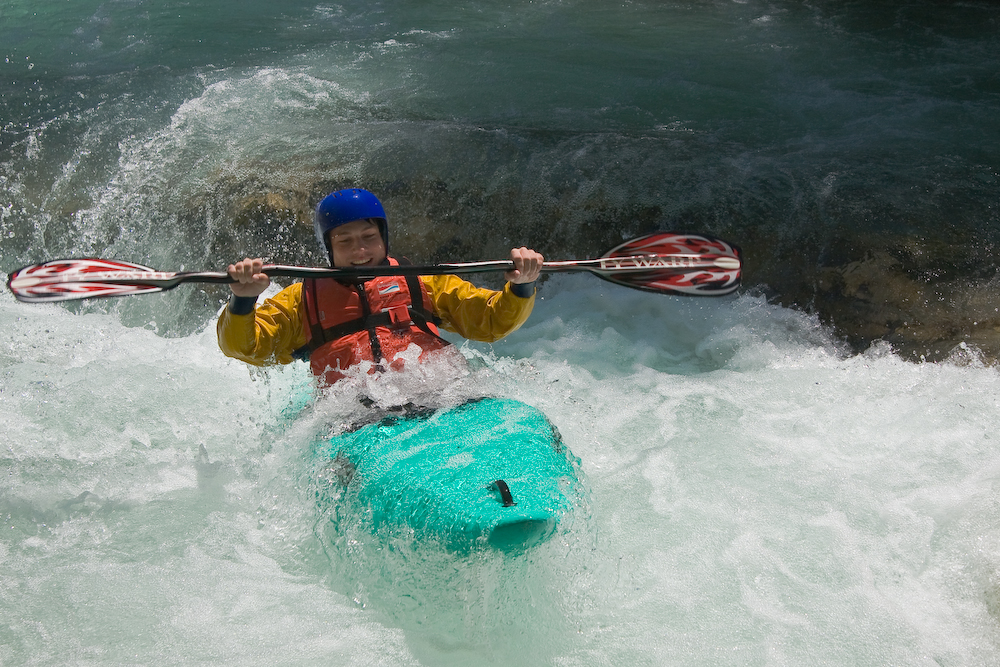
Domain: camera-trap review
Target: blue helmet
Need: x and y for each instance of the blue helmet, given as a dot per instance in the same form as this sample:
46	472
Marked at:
344	206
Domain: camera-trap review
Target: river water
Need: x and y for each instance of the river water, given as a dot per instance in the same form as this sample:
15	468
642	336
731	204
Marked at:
800	473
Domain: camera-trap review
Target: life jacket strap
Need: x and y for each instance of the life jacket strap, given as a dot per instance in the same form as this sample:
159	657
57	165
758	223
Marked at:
421	316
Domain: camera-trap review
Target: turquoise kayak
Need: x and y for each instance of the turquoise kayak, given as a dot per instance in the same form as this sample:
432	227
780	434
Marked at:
489	473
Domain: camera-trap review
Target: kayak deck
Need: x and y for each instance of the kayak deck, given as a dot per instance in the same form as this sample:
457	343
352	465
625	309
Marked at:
490	472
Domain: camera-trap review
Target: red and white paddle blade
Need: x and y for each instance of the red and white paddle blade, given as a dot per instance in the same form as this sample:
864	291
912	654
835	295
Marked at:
713	267
66	280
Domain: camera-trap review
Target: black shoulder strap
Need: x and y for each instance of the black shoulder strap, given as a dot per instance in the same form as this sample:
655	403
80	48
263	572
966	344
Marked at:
420	315
367	322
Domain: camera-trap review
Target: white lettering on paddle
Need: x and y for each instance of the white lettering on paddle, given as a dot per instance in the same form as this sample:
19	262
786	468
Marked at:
650	262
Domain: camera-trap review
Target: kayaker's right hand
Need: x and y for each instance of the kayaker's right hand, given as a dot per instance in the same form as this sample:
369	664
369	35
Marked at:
249	279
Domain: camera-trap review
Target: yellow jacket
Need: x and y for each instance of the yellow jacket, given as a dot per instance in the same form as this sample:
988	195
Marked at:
271	333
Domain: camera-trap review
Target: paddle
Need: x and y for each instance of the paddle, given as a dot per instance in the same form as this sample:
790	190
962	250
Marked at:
665	262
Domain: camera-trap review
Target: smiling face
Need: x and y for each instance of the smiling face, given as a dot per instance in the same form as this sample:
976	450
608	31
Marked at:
358	243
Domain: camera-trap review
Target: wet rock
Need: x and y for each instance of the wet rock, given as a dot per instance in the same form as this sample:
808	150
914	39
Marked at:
924	299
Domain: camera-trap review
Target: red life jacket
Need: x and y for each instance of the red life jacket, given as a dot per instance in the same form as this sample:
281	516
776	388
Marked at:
373	321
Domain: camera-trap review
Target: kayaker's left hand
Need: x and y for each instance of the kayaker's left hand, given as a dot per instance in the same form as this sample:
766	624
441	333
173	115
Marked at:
527	266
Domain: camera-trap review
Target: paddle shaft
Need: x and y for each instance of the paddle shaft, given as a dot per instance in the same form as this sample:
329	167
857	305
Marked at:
165	280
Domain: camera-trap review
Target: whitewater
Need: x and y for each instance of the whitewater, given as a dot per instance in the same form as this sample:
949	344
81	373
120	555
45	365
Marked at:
757	496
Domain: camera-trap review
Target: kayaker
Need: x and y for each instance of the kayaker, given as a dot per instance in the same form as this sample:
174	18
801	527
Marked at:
336	324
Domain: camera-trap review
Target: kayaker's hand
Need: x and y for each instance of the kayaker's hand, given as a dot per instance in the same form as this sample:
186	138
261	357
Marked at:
249	279
527	266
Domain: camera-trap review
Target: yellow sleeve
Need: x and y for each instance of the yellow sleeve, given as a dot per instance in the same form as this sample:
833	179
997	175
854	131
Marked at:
474	312
268	335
